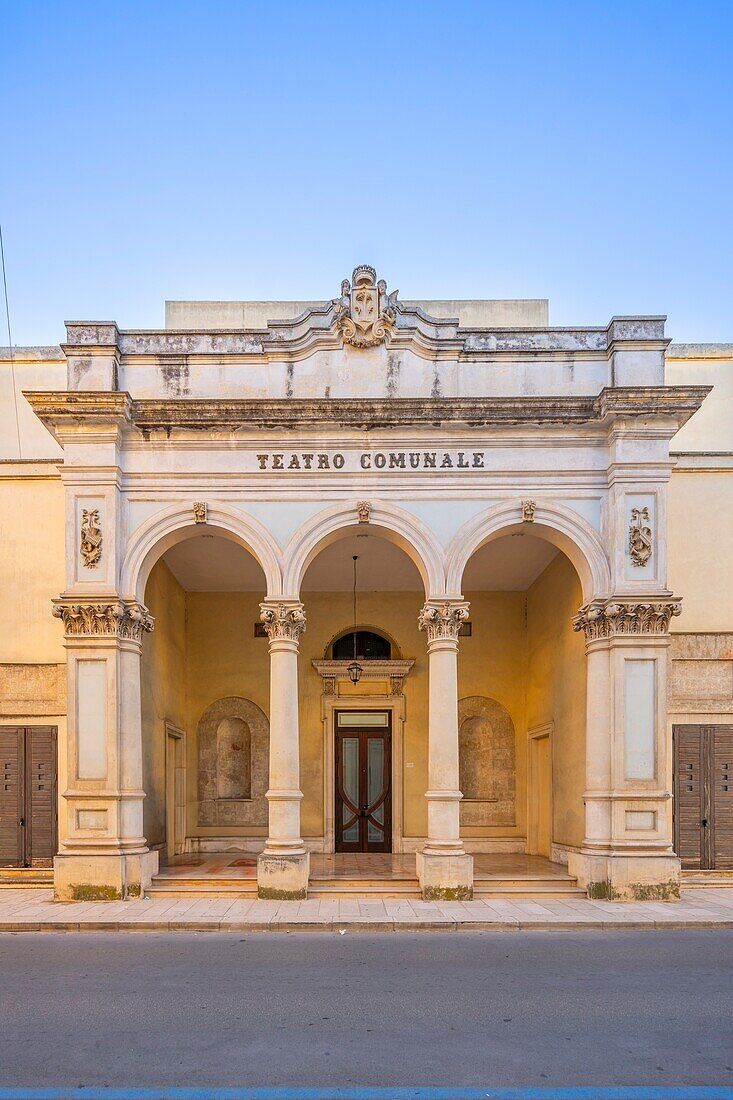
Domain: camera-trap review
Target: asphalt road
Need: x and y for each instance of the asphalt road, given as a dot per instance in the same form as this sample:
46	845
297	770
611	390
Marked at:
454	1008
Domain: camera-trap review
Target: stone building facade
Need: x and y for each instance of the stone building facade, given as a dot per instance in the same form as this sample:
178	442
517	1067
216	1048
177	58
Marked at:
366	575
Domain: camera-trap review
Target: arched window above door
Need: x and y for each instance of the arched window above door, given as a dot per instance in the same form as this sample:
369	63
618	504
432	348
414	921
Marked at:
370	646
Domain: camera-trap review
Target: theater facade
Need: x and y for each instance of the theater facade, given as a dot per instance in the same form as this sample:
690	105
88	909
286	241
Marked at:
431	584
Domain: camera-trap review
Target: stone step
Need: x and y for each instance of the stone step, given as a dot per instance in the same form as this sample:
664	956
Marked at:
527	890
13	877
381	889
529	880
219	881
708	881
201	890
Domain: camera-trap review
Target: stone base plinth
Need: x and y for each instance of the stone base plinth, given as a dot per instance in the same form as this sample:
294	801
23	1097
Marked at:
446	877
283	877
627	876
86	876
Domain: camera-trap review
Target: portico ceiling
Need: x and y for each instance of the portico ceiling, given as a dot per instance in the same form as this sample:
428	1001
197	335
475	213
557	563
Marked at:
212	564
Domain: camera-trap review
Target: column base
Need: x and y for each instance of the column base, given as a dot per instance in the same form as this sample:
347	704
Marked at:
445	877
283	876
107	876
621	876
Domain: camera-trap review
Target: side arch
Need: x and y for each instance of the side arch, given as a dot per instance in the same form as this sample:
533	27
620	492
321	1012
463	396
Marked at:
387	520
172	525
559	525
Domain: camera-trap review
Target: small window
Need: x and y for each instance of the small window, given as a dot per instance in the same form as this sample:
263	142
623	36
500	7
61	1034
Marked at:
369	647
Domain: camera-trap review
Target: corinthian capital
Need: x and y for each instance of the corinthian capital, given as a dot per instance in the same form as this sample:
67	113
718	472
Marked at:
128	619
283	620
443	620
614	618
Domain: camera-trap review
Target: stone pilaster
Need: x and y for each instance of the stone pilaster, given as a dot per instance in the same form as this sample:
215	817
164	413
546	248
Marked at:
283	867
443	867
627	849
104	853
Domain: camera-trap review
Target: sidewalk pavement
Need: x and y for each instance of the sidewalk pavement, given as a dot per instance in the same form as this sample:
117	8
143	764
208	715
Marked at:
33	910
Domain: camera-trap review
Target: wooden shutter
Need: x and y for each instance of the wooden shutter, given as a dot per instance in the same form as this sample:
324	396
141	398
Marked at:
12	770
722	790
41	795
688	794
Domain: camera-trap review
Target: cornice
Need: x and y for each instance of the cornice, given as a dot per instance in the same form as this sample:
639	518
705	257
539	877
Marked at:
672	403
321	328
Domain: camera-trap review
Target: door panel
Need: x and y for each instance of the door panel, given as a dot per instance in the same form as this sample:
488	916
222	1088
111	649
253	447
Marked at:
703	792
363	785
27	796
722	788
12	744
688	795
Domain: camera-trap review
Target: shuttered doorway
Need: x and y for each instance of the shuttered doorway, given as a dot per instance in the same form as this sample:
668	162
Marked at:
27	796
703	796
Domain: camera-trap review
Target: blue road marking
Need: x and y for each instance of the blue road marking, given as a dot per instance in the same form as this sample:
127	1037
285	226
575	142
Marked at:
582	1092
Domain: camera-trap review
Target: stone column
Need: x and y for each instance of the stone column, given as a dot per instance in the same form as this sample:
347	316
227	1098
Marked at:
103	854
627	850
443	867
284	865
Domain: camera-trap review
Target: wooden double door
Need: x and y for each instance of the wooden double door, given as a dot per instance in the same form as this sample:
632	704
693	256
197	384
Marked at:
703	796
27	796
363	781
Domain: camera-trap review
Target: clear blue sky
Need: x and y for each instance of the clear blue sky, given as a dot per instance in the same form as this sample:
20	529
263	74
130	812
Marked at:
577	151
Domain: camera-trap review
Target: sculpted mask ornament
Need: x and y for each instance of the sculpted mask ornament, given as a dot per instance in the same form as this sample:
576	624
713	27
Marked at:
199	511
363	510
90	538
640	536
442	620
283	620
366	314
528	511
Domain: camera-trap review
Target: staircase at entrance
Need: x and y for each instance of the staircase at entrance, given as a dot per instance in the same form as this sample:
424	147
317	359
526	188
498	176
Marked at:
362	875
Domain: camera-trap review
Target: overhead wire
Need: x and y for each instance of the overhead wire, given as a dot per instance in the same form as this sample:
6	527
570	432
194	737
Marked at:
10	343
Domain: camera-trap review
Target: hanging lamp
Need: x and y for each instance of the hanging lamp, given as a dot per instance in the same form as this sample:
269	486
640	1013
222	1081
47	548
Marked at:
354	669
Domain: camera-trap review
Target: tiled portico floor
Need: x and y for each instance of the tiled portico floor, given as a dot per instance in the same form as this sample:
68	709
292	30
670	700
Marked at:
34	910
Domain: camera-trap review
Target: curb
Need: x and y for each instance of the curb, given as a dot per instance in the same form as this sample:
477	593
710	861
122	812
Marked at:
634	925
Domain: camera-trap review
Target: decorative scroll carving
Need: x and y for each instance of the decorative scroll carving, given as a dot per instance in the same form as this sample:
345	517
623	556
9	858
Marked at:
366	313
528	510
110	620
282	620
363	510
396	684
443	620
598	620
329	685
90	542
640	536
199	511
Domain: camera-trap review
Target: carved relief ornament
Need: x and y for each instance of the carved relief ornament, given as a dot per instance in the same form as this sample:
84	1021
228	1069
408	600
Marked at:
366	314
90	538
612	619
442	620
200	511
363	510
528	510
640	537
283	620
129	621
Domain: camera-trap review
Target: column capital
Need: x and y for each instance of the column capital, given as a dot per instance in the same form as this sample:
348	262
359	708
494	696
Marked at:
442	619
283	620
603	619
126	620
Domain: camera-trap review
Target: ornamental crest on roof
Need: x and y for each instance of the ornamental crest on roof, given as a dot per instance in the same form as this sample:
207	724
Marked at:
366	314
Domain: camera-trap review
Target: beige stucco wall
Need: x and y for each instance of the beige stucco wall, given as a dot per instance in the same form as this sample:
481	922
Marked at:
163	688
701	548
556	689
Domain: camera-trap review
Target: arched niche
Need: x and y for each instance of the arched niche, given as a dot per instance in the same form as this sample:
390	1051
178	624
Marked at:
487	762
233	754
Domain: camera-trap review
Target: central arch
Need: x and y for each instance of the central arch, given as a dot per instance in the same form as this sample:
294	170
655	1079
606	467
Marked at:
387	520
